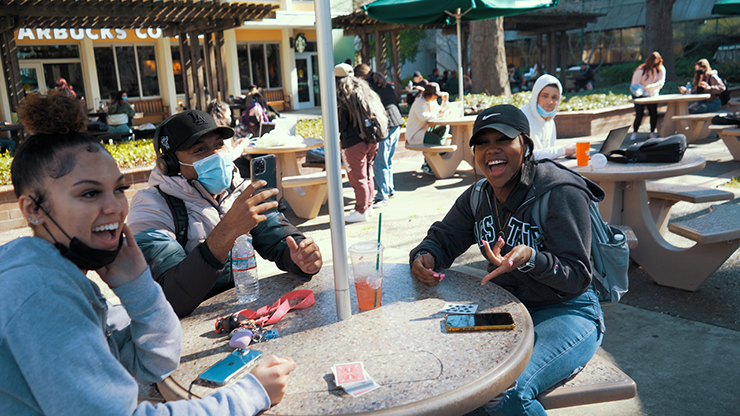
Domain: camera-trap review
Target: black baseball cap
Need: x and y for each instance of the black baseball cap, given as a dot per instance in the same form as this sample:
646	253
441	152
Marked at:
182	130
505	118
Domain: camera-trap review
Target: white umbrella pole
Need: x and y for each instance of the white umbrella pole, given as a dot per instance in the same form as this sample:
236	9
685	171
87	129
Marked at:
461	91
332	154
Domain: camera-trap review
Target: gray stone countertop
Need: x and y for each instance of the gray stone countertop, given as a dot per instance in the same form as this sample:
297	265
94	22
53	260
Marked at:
422	369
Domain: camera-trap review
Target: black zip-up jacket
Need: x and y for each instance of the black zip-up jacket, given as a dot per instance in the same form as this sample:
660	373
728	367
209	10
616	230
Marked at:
562	266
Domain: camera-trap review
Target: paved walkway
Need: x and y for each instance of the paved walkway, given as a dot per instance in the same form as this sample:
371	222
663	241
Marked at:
679	347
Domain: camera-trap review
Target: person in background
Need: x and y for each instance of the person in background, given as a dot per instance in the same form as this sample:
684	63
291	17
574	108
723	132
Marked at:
418	130
252	116
8	144
651	76
452	86
540	112
551	276
585	79
415	87
383	164
256	95
64	348
435	76
62	85
467	83
516	80
706	81
443	80
354	97
119	114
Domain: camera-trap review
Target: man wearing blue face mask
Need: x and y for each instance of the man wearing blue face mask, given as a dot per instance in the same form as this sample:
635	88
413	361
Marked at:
188	253
540	112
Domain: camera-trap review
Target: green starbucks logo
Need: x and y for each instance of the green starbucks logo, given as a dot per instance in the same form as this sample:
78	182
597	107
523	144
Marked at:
300	43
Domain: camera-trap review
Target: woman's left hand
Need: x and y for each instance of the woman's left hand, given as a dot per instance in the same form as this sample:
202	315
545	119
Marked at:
513	259
129	264
704	84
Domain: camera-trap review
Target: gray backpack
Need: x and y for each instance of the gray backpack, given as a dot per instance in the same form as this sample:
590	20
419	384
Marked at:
610	256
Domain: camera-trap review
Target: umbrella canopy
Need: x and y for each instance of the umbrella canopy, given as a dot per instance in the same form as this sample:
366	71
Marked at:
726	7
421	12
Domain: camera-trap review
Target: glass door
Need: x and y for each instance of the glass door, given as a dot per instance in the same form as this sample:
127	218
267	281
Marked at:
30	78
304	91
307	69
315	73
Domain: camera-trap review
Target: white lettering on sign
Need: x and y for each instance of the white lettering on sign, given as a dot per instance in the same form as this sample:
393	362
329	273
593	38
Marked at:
79	34
60	34
43	34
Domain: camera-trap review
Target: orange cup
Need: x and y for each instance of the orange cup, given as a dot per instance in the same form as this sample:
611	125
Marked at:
582	155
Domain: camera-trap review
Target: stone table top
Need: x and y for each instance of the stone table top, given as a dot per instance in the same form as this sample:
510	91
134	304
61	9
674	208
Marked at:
422	369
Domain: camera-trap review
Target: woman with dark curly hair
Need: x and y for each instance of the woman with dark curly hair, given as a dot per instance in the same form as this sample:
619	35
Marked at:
63	347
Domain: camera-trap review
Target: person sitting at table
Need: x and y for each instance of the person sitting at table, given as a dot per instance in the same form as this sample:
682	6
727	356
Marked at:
221	114
452	86
545	266
62	85
418	130
651	77
706	81
119	112
516	80
586	78
355	98
540	112
252	117
415	87
195	168
64	347
256	95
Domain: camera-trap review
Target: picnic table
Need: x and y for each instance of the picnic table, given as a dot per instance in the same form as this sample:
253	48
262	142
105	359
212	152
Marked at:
421	368
461	129
730	135
626	203
678	104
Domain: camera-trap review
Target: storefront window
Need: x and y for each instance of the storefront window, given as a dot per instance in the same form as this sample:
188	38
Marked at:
128	68
48	51
177	70
259	64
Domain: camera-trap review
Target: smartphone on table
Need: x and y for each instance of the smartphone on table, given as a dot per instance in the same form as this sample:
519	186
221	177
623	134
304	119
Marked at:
234	364
479	322
265	168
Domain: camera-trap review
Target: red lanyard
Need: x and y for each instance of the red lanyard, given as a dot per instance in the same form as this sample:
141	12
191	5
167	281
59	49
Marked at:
268	315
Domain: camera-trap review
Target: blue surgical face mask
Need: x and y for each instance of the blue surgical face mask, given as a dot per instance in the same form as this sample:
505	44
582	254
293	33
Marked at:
125	98
214	172
545	114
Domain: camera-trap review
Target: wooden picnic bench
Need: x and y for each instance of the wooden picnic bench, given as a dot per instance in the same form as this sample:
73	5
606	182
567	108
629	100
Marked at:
717	235
443	159
730	135
151	110
697	125
662	196
278	99
311	190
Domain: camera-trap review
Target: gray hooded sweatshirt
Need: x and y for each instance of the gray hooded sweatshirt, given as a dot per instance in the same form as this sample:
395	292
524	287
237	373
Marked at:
64	350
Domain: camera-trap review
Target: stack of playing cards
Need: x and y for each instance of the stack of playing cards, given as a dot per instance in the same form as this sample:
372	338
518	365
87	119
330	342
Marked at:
353	378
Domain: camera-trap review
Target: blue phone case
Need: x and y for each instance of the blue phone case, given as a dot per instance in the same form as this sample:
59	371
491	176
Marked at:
225	370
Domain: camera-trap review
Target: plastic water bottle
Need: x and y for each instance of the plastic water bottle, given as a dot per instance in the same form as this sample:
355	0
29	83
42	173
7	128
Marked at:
688	87
244	269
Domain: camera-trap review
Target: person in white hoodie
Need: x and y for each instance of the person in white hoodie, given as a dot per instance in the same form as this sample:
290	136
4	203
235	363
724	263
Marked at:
650	77
540	112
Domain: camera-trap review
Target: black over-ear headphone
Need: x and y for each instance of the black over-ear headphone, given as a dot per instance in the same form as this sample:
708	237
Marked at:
167	164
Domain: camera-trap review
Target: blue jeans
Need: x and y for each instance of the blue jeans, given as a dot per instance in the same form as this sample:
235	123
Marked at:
383	164
566	337
705	106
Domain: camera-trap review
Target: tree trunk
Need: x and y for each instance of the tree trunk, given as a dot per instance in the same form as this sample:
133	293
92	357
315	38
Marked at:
659	33
489	65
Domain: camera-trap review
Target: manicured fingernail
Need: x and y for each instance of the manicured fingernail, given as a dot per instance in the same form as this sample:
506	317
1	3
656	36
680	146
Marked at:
511	263
436	275
484	242
500	238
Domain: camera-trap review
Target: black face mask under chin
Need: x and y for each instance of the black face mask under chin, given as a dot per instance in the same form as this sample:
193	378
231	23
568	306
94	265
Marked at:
79	253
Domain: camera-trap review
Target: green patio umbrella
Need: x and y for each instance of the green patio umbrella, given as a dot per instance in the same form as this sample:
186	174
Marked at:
420	12
726	7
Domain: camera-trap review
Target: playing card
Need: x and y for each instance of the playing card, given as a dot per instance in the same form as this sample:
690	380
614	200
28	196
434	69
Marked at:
349	373
460	308
358	389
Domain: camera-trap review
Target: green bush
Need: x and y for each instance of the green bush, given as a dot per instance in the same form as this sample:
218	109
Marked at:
616	74
584	100
5	161
134	153
310	128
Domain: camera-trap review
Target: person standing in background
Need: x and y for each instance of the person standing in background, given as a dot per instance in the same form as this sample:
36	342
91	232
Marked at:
651	76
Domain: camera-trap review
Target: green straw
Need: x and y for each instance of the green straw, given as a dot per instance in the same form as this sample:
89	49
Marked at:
377	257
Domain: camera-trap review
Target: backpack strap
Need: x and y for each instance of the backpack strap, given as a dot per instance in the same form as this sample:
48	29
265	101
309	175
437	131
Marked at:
475	197
179	215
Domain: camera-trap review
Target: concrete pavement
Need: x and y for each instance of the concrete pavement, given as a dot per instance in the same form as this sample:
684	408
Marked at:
679	347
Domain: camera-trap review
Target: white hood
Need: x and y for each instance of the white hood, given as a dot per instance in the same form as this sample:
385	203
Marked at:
543	133
541	83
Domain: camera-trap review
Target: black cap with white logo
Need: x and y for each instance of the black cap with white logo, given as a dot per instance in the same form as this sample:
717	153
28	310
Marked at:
182	130
505	118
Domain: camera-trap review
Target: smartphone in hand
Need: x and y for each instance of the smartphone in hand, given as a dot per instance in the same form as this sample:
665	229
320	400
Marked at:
479	322
265	168
225	370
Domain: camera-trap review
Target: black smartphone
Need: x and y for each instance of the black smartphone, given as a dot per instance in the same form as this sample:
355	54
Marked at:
479	322
225	370
264	168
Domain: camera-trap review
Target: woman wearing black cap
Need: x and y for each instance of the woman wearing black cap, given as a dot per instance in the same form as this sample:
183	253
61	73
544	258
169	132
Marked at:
547	267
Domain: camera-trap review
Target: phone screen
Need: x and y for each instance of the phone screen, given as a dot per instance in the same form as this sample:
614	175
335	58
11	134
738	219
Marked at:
225	370
264	168
479	322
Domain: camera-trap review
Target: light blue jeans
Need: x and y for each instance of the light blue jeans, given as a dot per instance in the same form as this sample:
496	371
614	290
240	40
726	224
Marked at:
705	106
384	162
566	337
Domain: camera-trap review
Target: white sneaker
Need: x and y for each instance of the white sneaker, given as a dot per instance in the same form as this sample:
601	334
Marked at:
633	136
653	135
356	216
380	203
369	212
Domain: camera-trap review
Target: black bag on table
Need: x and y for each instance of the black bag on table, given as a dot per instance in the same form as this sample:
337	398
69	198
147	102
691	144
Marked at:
727	119
660	149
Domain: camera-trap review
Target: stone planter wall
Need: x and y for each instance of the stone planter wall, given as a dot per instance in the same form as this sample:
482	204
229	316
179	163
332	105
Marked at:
598	122
10	214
